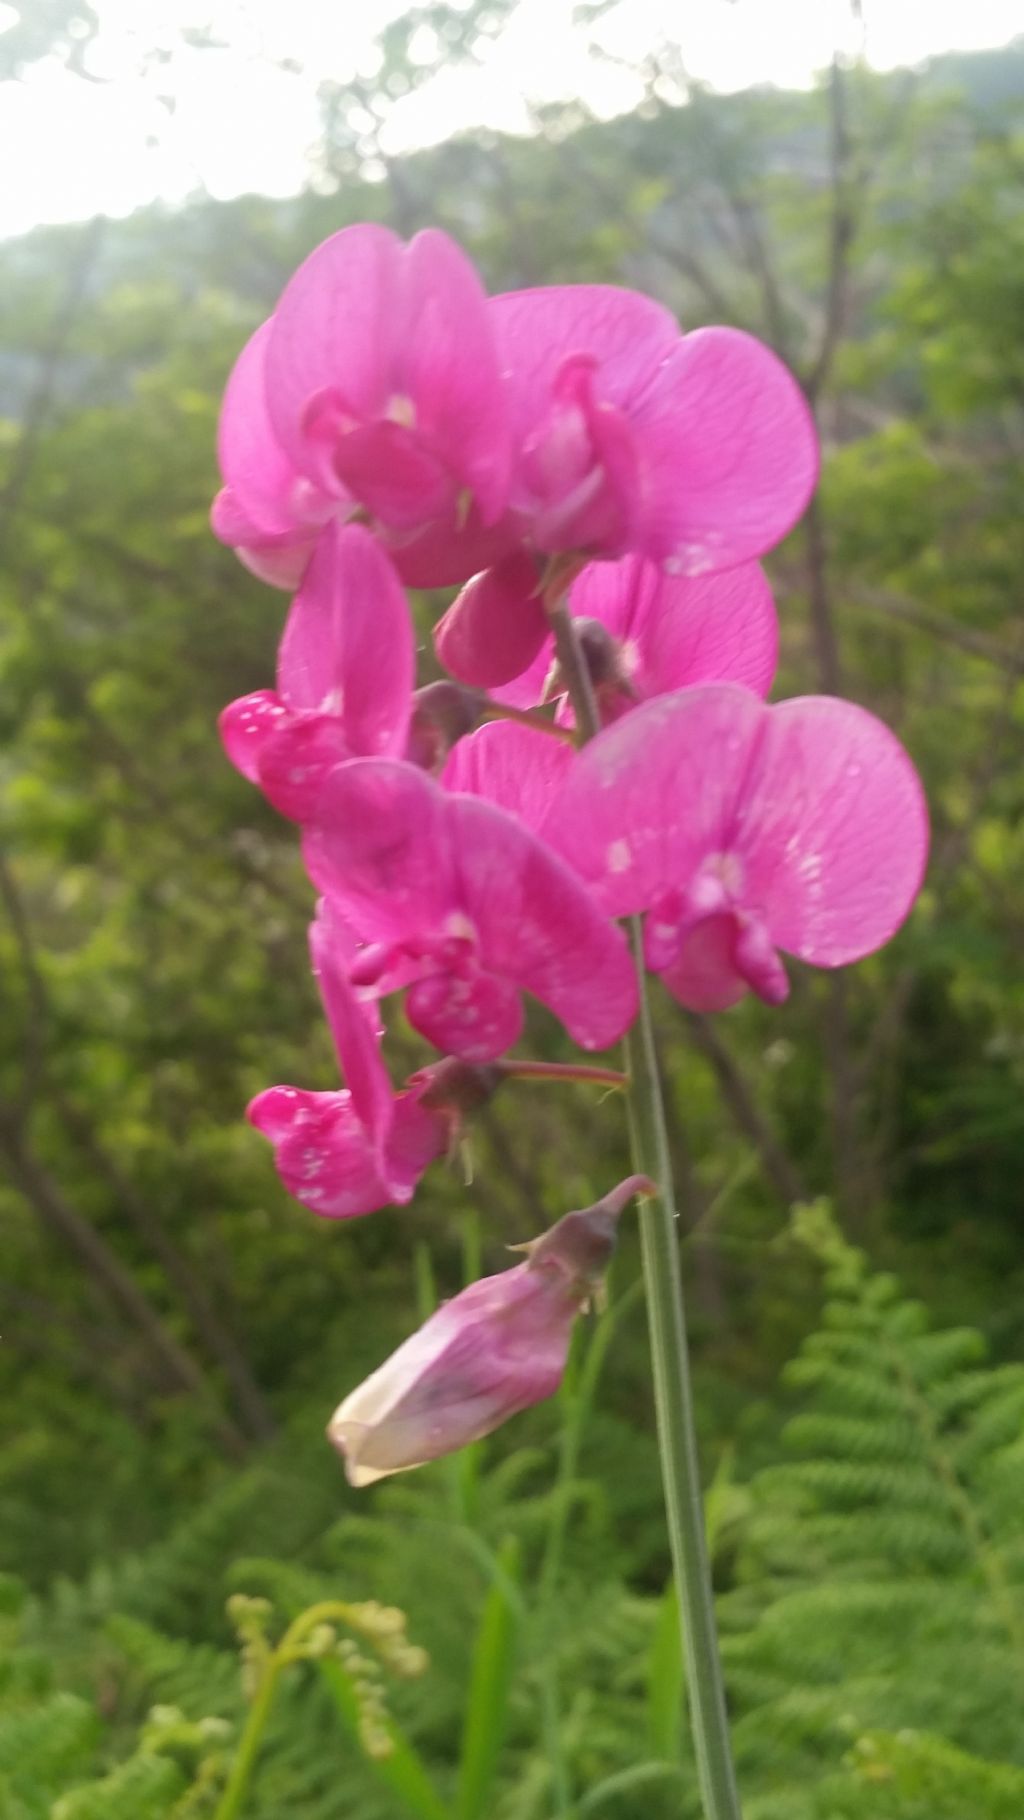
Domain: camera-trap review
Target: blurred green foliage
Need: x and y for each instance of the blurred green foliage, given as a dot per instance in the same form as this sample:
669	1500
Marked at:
175	1331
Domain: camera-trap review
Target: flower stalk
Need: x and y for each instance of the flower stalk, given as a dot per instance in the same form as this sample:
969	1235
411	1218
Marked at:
666	1315
561	1071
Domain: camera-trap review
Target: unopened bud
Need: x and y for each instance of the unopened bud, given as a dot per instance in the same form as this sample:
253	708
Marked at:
456	1087
493	1350
442	712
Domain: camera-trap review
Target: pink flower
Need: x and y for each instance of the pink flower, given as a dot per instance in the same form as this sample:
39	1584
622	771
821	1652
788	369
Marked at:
349	1152
492	1351
646	633
375	383
744	829
696	450
455	899
345	673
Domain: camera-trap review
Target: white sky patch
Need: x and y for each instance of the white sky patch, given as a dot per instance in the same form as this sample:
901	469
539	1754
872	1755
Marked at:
166	120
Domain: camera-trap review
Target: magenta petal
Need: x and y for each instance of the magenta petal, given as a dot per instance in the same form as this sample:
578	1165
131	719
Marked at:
394	473
677	630
353	1025
628	335
476	1018
704	978
335	331
348	645
324	1156
711	628
246	726
731	452
381	848
279	558
495	628
275	1110
653	795
837	830
416	1138
450	550
297	759
539	928
518	768
257	471
529	689
449	365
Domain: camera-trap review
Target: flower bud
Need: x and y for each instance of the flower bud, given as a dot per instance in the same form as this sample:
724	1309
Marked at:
442	713
493	1350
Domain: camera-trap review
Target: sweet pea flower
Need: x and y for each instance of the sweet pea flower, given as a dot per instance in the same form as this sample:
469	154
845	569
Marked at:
375	385
453	898
345	673
492	1351
644	633
698	451
743	830
347	1153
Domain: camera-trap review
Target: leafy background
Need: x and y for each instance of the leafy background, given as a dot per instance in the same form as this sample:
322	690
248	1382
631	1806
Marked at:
175	1331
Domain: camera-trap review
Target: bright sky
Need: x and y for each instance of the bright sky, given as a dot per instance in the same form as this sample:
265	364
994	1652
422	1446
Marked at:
166	119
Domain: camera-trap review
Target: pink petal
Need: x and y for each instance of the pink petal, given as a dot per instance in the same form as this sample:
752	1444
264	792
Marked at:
496	626
529	689
539	928
656	793
416	1138
536	331
335	331
516	767
835	830
476	1019
354	1026
398	478
451	549
246	725
704	978
257	471
731	452
348	643
449	368
677	630
324	1156
296	759
279	558
381	848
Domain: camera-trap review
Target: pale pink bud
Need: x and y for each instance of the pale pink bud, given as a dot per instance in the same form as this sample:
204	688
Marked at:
488	1353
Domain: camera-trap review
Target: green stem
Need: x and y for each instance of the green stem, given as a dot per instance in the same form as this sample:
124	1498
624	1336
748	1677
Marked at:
677	1435
561	1071
249	1744
673	1392
526	717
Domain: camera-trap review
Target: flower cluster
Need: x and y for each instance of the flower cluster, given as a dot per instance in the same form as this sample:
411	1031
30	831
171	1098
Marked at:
566	456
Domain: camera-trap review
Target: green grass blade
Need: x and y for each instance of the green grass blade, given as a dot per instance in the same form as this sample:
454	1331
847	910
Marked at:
625	1781
489	1688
